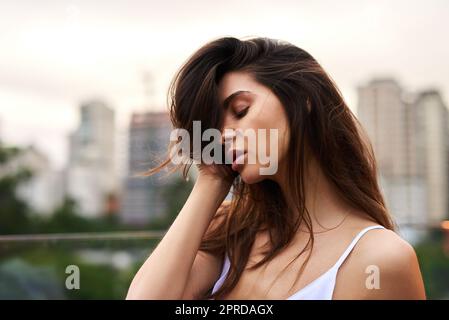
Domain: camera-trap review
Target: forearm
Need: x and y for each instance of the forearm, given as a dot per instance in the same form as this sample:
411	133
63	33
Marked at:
164	274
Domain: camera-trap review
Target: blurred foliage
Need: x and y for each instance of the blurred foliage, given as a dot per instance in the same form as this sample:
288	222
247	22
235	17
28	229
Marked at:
176	194
434	263
66	218
14	214
40	273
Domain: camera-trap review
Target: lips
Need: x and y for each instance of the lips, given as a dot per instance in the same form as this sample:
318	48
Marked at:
237	158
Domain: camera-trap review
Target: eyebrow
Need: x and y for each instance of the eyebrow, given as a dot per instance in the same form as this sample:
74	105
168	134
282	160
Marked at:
228	100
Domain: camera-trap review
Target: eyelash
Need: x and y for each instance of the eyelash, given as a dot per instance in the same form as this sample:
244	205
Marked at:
242	113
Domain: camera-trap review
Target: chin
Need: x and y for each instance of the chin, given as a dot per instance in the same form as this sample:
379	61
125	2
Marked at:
250	174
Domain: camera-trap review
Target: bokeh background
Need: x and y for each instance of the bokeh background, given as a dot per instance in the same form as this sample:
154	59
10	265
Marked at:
83	89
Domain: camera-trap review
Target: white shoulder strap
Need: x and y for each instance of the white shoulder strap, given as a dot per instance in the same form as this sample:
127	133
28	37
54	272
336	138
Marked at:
353	243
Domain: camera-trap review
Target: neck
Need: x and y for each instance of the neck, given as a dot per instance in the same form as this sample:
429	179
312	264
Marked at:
326	208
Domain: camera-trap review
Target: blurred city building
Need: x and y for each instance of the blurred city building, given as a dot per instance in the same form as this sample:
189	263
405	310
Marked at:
143	198
44	191
432	143
91	171
409	133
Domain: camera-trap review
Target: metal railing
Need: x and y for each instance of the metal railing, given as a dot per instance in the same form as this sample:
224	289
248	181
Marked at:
101	236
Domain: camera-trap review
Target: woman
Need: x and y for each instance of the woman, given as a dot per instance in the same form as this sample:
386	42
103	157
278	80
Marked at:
317	228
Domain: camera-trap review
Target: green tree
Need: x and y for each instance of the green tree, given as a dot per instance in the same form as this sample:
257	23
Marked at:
175	194
66	219
14	212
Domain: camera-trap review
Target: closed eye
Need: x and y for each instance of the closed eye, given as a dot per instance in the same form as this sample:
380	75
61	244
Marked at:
242	113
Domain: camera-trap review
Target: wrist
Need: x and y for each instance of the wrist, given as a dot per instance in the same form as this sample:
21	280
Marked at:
212	184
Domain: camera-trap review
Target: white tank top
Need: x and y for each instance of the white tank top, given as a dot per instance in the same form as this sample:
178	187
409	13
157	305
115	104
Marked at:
322	288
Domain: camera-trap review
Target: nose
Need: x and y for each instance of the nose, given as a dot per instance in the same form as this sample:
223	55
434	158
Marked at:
231	135
234	138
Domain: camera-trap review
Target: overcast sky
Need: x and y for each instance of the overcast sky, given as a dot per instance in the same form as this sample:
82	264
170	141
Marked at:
55	53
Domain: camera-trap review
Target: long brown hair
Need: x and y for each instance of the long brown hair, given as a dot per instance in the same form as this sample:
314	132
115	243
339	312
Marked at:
320	124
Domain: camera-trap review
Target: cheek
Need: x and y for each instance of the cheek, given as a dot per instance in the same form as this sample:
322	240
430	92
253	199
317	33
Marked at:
279	142
272	116
284	141
282	125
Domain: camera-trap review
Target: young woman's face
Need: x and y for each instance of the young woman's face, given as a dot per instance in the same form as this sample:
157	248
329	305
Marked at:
250	105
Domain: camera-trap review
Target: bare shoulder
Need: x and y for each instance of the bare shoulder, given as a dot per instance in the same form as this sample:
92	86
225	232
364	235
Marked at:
381	266
386	247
